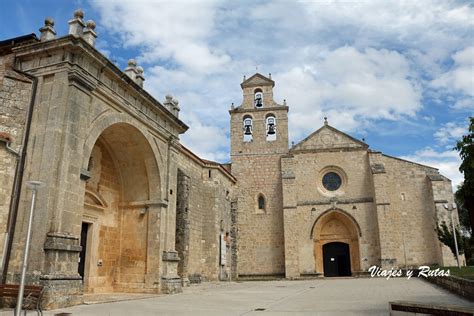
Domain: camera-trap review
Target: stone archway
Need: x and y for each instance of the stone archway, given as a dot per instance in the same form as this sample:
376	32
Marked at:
336	227
119	213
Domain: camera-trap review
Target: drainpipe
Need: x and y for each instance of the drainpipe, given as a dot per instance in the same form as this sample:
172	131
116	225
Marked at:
20	168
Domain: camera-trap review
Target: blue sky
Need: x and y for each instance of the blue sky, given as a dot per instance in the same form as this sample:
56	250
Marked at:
399	74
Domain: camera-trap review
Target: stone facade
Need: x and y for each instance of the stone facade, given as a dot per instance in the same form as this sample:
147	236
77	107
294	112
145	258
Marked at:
127	208
384	211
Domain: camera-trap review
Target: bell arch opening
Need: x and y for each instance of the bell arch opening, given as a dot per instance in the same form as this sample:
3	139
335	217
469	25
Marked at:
336	244
124	184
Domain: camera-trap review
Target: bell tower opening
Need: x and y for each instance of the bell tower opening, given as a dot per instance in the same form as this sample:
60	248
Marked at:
259	124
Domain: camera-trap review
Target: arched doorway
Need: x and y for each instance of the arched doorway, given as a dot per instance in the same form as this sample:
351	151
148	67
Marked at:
123	183
336	244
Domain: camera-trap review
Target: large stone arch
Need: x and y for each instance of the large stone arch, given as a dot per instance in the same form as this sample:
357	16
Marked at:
108	120
119	233
335	225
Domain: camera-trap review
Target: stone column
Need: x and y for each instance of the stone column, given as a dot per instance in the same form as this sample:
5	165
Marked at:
182	226
152	276
55	157
170	280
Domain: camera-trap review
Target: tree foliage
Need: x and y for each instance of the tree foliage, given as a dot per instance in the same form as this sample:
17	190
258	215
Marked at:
446	236
465	193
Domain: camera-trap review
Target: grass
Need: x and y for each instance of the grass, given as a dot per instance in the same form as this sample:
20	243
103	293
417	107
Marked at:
464	272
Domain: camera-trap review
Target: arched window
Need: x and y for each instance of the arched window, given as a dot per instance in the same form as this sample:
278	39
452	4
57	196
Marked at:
261	202
258	98
271	127
248	129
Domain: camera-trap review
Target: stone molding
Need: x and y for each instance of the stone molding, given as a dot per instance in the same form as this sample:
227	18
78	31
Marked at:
62	242
339	201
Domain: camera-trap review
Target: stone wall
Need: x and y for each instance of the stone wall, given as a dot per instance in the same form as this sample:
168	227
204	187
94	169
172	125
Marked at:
406	212
205	192
15	96
457	285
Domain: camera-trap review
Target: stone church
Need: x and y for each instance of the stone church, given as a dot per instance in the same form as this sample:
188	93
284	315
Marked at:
127	208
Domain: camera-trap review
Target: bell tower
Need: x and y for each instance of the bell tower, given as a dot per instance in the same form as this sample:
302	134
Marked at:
259	125
259	138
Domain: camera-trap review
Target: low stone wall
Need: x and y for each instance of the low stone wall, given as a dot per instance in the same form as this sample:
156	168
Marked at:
459	286
402	308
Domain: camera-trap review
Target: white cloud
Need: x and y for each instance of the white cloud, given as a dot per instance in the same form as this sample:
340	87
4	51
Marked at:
447	162
206	140
356	62
349	86
460	78
450	133
176	31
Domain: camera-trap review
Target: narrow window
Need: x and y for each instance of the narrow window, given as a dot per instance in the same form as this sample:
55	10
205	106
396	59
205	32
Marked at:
258	98
248	129
271	128
261	203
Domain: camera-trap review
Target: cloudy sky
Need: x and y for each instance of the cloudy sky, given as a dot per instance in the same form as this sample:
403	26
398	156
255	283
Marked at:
397	73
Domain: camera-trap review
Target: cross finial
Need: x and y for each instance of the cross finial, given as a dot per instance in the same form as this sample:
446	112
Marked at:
326	121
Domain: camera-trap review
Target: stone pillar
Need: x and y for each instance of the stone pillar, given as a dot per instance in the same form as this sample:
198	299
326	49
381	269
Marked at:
152	276
55	158
182	226
170	280
234	235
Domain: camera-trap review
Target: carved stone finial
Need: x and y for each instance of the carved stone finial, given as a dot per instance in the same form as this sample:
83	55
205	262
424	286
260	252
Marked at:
89	34
131	69
47	31
79	14
270	75
90	24
169	97
284	101
139	78
49	22
76	25
244	78
326	121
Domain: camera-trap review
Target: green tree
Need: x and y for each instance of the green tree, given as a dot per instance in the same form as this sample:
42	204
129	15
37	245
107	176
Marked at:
465	193
446	236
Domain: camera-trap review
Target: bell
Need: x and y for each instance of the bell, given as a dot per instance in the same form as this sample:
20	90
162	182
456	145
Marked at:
247	130
258	102
271	129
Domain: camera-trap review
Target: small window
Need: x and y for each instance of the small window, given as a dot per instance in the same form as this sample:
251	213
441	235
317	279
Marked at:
248	130
261	203
258	98
271	128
